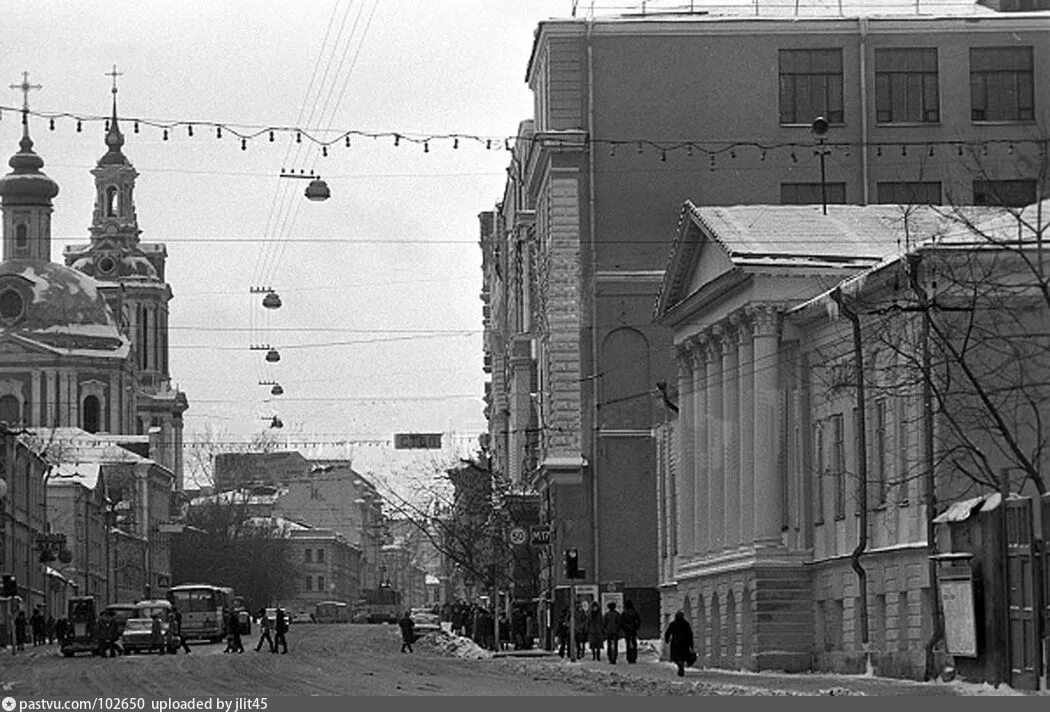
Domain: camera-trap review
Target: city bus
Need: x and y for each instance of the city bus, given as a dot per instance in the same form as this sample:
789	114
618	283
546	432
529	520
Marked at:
332	612
204	608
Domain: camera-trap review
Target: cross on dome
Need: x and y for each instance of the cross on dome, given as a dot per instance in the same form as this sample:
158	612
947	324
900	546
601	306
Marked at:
25	87
114	74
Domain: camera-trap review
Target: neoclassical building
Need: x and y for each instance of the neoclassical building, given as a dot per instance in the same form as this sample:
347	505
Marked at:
743	553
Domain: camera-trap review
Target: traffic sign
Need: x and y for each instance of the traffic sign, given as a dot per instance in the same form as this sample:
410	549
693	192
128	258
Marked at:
517	536
539	536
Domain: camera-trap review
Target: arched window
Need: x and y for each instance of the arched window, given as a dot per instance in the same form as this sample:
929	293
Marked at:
10	409
91	413
21	235
112	201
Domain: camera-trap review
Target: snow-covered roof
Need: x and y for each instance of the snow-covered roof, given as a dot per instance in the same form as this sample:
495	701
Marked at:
68	473
240	497
432	580
72	445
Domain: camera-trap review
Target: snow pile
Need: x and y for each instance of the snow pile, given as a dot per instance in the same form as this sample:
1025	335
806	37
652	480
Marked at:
453	646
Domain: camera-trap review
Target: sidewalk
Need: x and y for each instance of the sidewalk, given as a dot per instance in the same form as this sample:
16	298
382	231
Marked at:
649	669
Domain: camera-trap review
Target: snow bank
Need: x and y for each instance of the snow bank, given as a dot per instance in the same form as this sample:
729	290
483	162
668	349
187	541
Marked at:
453	646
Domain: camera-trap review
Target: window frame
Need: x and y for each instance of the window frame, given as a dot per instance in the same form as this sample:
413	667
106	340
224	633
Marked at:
927	97
981	80
912	186
988	187
833	81
837	464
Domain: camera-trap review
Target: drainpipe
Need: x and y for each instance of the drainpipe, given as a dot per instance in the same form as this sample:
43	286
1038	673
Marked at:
862	465
595	391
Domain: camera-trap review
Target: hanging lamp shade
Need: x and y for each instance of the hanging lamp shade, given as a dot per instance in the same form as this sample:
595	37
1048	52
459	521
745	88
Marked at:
272	301
318	190
272	356
276	390
276	422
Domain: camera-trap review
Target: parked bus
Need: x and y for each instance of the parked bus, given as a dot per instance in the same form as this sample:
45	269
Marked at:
332	612
204	609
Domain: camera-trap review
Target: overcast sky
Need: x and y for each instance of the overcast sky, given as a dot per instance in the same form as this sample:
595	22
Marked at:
380	331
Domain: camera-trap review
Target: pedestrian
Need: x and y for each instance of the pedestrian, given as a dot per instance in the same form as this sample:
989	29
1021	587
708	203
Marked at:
280	627
266	627
20	630
36	626
581	630
49	629
504	631
176	622
233	633
61	626
562	633
680	635
109	634
156	635
530	630
595	631
630	623
611	630
408	632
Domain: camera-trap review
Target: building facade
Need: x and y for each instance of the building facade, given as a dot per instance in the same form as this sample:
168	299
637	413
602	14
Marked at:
329	569
22	519
633	115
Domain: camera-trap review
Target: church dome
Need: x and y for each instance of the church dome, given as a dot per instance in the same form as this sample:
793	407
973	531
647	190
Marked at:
26	184
56	305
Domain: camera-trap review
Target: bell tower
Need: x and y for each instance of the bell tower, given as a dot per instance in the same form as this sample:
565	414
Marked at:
25	195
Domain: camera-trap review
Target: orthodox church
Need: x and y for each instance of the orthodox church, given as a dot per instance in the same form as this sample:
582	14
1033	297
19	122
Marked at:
85	345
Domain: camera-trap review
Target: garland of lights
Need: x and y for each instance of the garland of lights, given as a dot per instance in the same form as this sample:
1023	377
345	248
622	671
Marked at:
712	149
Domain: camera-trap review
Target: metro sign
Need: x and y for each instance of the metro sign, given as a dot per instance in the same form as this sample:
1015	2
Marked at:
539	536
417	441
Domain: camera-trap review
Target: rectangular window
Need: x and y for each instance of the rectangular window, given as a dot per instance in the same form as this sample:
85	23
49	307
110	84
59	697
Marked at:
1008	193
320	556
878	450
910	193
838	464
320	583
309	583
810	193
810	85
903	447
819	465
309	556
906	86
1002	84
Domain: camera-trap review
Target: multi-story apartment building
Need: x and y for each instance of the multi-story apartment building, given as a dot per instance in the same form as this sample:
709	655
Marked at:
329	569
22	518
636	114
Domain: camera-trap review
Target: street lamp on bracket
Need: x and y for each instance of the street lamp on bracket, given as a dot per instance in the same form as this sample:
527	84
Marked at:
819	128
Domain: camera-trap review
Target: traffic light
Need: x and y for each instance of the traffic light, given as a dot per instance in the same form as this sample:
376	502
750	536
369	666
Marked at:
572	564
10	586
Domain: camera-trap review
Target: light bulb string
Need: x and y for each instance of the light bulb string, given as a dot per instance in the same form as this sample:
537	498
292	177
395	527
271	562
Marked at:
325	138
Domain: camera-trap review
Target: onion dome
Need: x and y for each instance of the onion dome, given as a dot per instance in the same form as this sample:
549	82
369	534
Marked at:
26	184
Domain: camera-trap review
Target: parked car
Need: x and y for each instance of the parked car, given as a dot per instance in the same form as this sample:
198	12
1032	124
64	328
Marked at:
138	636
425	622
121	613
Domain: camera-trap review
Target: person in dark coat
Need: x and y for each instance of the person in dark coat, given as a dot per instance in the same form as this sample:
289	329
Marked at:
234	644
61	628
630	622
562	633
595	631
157	636
20	631
611	631
280	629
680	635
49	629
36	625
176	622
265	628
581	630
408	632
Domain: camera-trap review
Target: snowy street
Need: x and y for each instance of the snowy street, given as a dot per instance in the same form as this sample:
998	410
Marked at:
365	660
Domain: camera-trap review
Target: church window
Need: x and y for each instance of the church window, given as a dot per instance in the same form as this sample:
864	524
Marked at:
21	235
106	264
10	409
12	305
112	201
92	414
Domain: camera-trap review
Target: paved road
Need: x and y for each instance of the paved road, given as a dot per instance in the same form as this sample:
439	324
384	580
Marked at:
366	660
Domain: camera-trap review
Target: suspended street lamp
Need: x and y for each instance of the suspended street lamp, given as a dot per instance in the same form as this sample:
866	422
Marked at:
275	422
276	387
273	356
316	191
272	301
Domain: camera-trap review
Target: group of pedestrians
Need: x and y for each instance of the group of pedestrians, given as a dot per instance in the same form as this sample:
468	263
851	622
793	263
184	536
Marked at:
273	633
37	629
596	629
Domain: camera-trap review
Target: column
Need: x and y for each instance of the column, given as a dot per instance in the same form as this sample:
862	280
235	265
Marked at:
716	482
34	400
50	398
746	387
767	479
701	461
73	401
113	403
731	446
686	503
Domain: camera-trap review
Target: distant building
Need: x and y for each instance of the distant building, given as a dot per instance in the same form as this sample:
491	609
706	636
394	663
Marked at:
329	569
22	518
